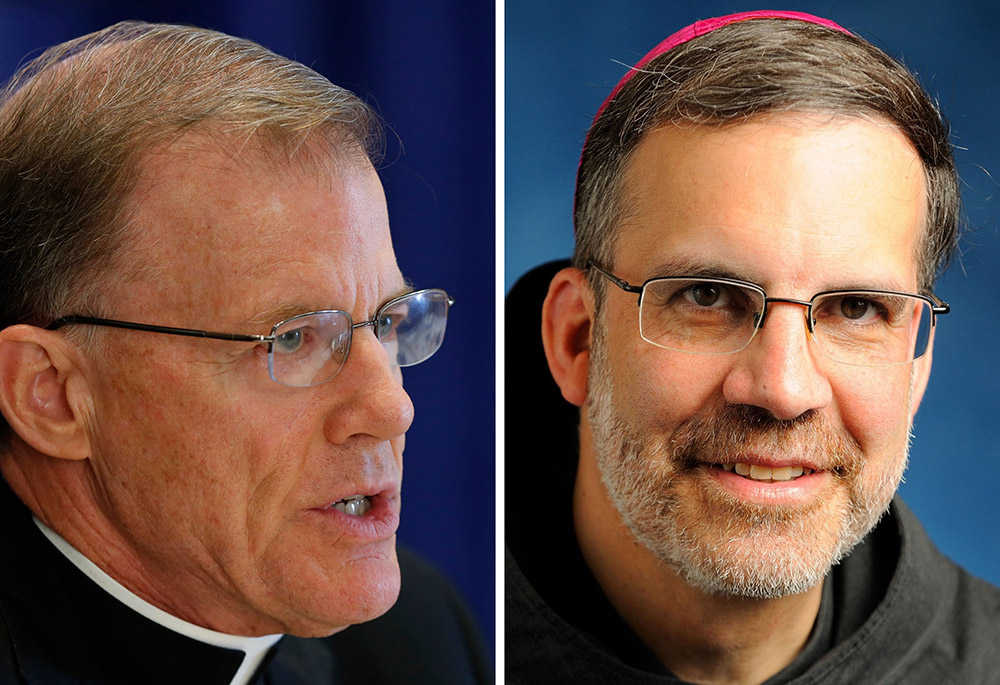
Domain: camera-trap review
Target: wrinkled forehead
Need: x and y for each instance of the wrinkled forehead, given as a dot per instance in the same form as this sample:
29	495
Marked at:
212	219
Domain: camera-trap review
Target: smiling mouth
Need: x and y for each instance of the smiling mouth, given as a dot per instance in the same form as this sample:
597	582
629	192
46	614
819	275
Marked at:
355	505
765	474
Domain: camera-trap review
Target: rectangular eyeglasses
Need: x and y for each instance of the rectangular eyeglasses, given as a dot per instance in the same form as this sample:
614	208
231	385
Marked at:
722	315
311	348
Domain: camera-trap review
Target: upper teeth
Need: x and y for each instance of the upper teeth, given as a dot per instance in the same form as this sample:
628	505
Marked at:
355	505
767	473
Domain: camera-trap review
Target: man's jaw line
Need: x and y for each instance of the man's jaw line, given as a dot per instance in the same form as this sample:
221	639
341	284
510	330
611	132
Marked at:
705	618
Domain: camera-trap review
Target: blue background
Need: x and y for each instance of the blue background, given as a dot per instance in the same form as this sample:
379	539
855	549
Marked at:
428	68
562	58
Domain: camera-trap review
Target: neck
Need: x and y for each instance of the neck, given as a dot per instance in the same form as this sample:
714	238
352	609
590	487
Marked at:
700	637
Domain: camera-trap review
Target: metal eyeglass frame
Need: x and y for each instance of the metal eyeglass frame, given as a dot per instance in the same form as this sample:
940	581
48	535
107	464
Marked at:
937	305
240	337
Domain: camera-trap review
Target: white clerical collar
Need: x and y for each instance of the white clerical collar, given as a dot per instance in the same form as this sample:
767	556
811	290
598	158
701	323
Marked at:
254	648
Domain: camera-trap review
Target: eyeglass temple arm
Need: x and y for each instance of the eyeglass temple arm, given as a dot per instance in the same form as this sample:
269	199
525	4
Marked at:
624	285
169	330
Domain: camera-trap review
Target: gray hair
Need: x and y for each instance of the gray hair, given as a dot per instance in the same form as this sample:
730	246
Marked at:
753	68
76	122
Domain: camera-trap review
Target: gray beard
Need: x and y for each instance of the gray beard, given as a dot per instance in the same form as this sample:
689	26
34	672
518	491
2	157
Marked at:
715	543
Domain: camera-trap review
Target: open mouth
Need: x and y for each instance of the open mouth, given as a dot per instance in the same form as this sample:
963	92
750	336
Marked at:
355	505
765	474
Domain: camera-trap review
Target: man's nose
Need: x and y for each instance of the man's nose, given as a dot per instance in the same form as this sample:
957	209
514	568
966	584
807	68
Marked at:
780	370
368	396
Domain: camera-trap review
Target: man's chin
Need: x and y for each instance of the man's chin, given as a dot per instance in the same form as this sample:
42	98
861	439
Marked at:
325	602
753	568
739	549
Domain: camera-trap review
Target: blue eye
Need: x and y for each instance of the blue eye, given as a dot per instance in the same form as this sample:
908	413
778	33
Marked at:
387	322
289	341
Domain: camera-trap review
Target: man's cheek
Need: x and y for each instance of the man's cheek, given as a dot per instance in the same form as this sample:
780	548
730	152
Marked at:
875	407
671	387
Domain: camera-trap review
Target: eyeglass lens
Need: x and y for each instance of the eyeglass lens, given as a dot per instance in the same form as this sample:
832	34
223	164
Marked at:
311	348
715	317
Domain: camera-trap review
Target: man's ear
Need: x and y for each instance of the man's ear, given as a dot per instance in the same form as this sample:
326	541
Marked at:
43	391
567	317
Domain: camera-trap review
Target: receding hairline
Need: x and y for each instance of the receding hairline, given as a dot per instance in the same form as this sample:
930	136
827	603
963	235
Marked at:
110	98
314	159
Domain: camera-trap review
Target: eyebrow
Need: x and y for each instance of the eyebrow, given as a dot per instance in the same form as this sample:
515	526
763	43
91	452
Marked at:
281	312
285	311
684	266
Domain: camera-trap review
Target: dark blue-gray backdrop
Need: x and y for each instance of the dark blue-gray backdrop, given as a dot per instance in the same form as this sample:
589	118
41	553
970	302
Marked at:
428	68
562	59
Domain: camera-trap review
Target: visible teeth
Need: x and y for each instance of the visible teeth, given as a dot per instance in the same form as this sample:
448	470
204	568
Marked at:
766	473
355	505
781	473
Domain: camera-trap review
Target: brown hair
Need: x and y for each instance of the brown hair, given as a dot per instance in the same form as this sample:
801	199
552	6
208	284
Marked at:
749	69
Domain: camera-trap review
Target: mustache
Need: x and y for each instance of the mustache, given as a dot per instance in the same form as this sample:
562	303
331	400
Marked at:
738	432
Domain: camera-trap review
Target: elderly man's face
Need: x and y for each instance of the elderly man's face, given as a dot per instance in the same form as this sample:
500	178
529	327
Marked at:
798	205
219	480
